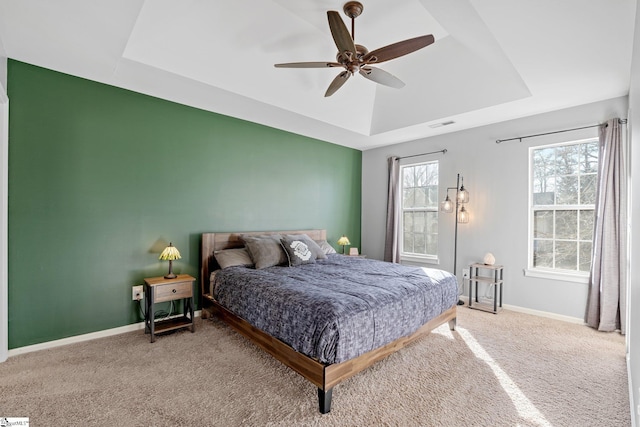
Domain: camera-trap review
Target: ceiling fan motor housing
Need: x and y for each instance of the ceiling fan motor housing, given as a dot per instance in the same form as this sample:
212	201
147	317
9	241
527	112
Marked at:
351	63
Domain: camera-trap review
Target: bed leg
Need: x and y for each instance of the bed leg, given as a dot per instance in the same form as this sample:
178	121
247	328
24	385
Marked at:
324	400
452	323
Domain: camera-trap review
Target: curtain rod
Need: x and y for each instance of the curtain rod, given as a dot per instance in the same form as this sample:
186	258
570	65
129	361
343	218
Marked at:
424	154
520	138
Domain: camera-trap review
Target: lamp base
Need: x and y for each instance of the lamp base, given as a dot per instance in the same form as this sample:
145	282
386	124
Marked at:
170	274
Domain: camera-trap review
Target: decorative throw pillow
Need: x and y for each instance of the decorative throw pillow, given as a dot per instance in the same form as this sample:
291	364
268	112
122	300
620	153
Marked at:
326	247
265	250
232	257
313	246
297	250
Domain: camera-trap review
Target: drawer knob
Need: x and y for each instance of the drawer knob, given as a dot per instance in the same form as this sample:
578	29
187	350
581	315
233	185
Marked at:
174	291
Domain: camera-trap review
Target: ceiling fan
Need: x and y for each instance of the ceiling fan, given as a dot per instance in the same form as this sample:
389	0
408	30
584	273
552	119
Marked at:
357	58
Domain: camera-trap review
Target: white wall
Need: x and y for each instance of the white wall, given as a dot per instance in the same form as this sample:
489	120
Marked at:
3	68
496	176
3	74
633	329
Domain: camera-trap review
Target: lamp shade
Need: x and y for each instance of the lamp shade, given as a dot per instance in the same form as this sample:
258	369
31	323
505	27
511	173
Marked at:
170	253
447	205
463	195
463	216
344	241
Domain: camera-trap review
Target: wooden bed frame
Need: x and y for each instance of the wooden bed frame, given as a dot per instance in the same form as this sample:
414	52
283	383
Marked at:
325	377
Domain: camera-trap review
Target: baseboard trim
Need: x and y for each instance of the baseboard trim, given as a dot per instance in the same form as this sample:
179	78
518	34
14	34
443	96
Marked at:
555	316
540	313
82	338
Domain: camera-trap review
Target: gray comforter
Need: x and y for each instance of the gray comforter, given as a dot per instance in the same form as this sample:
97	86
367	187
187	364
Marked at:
338	308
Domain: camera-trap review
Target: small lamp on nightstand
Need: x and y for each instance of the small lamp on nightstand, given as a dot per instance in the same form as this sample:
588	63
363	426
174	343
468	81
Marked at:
169	254
343	241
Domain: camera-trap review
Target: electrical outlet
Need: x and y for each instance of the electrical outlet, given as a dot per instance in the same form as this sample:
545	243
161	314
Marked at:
137	293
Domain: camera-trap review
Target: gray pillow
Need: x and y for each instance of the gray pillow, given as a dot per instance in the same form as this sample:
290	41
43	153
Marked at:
326	247
265	250
313	246
232	257
298	251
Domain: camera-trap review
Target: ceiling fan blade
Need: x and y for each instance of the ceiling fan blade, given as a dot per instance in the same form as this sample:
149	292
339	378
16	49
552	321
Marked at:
308	65
340	33
337	83
380	76
397	49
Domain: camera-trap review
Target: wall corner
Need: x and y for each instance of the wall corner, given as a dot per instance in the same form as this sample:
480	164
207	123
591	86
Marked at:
4	214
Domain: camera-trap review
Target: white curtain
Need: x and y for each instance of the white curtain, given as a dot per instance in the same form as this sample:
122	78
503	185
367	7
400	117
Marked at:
391	243
606	303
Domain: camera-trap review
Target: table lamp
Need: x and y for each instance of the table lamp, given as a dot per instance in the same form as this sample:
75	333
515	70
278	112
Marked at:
343	241
169	254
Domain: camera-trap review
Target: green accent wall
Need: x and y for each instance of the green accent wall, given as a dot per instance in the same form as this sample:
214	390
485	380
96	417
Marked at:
102	178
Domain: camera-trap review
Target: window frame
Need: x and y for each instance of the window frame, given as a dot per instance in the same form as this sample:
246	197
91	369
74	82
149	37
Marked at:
553	272
412	257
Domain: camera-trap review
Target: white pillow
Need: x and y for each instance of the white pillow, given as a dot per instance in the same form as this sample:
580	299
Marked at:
326	247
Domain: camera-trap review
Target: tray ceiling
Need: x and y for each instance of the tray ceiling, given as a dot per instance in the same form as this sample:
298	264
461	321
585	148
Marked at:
493	60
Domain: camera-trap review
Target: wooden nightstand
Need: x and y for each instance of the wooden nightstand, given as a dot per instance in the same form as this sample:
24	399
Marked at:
159	289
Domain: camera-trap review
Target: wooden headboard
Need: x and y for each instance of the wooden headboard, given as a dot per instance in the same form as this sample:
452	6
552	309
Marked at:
212	242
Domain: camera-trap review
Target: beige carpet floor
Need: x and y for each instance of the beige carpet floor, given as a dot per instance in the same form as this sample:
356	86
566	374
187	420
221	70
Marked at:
509	369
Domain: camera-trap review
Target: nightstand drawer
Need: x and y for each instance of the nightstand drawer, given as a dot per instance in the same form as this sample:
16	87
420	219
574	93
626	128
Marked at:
171	291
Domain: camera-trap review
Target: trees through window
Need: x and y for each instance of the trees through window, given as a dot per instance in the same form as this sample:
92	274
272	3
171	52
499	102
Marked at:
563	195
420	209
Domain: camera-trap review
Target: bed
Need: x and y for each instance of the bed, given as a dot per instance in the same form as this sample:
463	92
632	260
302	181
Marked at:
314	317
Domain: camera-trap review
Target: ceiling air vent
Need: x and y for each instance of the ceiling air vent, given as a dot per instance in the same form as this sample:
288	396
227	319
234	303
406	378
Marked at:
437	125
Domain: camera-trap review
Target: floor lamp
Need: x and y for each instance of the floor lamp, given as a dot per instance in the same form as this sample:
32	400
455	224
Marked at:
462	216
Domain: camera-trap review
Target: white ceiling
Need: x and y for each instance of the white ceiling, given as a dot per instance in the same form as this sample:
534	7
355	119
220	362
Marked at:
493	60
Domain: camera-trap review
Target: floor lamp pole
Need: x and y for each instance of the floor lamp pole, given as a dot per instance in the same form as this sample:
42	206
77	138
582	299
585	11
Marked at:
455	234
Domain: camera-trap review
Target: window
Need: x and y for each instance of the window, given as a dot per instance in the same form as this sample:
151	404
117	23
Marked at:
563	195
419	210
